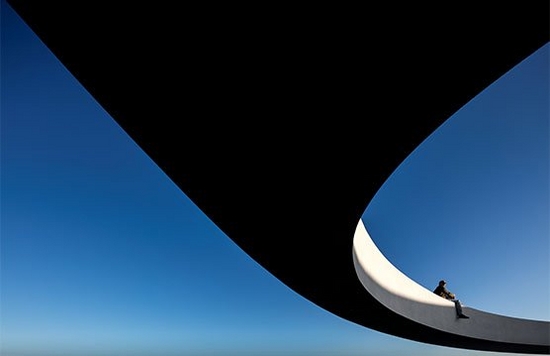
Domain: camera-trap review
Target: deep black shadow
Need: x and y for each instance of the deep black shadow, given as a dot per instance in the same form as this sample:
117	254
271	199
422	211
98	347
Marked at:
281	123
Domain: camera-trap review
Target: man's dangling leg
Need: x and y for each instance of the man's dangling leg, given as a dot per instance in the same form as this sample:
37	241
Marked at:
458	308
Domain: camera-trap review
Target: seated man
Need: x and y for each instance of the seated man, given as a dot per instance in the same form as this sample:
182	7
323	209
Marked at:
441	291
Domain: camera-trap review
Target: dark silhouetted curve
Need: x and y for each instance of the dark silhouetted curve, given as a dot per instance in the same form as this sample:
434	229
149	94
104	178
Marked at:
281	121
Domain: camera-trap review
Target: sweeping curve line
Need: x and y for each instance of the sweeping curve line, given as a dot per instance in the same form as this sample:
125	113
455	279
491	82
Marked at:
261	120
402	295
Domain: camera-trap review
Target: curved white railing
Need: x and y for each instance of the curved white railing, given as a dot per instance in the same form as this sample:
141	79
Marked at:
407	298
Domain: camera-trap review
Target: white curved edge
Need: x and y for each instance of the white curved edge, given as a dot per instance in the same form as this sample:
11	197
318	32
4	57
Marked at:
407	298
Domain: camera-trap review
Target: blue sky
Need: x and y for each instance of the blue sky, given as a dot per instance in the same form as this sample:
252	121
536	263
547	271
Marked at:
101	254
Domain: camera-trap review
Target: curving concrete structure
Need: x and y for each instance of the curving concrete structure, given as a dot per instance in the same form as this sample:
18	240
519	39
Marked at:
405	297
264	116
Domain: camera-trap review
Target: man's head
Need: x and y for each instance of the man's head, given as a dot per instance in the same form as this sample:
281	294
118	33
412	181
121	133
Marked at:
442	282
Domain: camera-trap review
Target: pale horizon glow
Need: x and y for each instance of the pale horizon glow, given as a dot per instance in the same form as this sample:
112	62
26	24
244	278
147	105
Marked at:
102	254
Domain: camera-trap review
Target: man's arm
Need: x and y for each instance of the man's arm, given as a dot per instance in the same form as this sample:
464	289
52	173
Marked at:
448	294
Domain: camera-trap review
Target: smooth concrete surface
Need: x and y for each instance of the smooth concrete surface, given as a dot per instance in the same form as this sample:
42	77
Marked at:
407	298
299	118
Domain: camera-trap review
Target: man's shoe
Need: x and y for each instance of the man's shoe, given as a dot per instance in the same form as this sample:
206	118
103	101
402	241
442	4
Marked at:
462	316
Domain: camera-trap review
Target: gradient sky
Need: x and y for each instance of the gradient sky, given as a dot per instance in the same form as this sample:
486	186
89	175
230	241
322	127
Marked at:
101	254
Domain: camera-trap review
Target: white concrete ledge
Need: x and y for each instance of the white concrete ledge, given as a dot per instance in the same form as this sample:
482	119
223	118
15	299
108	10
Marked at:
407	298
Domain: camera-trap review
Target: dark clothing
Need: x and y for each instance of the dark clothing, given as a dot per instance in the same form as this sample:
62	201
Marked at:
443	292
458	308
